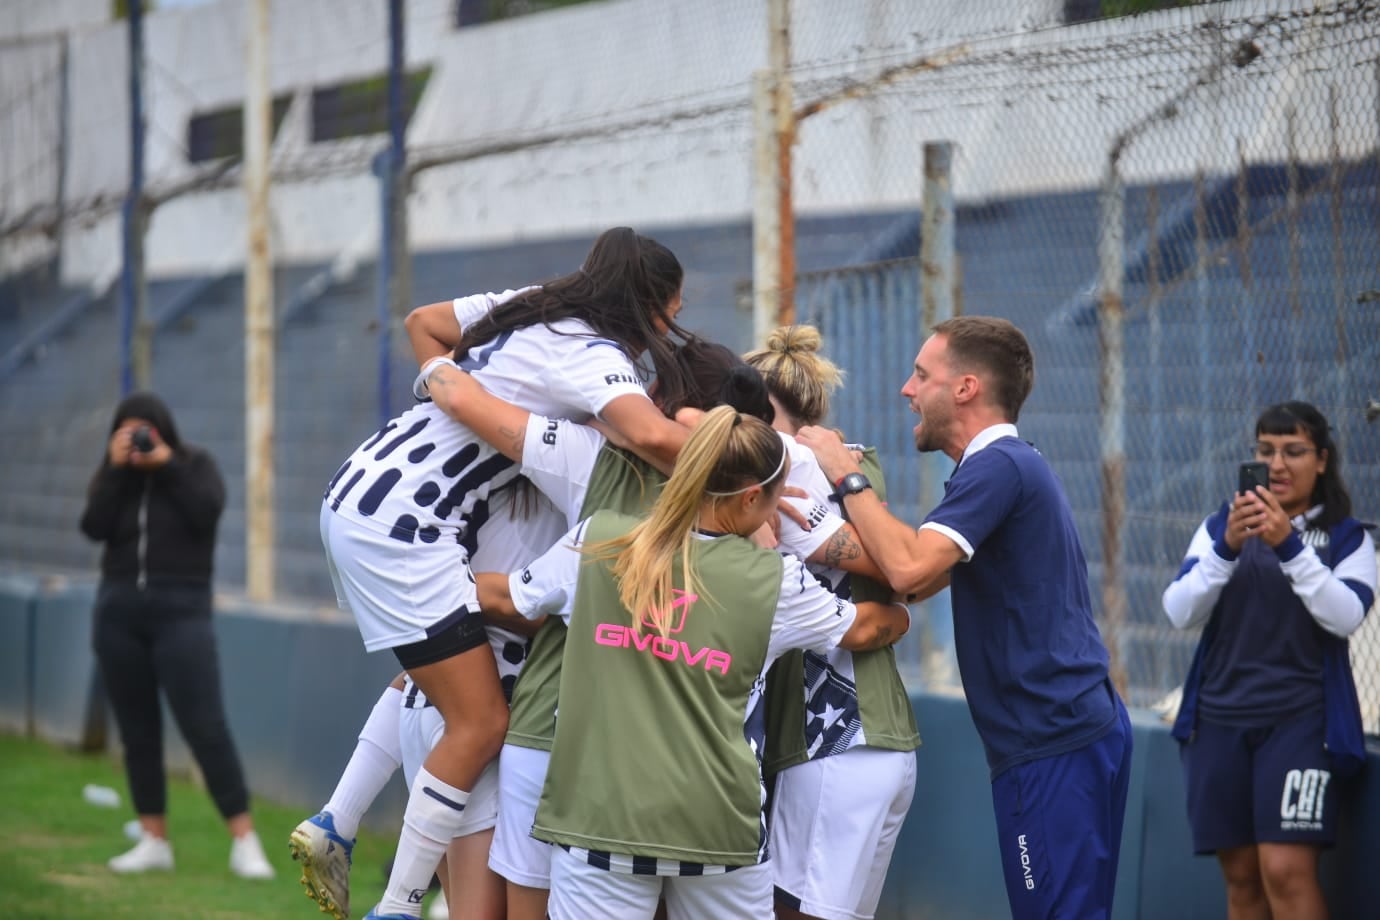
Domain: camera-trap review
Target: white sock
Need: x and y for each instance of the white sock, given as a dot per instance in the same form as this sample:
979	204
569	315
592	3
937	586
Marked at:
376	758
434	812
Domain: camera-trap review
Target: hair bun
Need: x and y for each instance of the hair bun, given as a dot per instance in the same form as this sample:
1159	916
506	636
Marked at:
786	339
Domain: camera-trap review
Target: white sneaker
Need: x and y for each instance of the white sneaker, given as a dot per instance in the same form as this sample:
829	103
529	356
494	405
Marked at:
247	859
149	853
438	910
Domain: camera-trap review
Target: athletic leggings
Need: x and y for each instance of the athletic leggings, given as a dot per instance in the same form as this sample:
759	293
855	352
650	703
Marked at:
162	638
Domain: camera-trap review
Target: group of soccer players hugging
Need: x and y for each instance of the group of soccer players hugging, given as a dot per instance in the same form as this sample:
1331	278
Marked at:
594	514
647	664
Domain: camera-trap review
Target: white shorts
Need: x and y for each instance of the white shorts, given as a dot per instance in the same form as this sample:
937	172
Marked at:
834	824
418	730
515	854
394	589
580	891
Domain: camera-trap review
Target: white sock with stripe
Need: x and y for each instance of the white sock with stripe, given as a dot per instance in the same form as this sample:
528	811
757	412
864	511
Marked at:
434	812
376	758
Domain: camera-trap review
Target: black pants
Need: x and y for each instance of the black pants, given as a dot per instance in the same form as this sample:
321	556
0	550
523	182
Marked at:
161	638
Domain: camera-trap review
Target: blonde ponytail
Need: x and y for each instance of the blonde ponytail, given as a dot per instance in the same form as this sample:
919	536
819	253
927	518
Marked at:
726	451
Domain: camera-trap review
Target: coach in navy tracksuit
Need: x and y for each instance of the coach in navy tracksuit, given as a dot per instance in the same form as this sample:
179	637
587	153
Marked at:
1057	737
154	503
1269	719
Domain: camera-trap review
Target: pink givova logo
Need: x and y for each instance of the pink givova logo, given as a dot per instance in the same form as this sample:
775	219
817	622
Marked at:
665	648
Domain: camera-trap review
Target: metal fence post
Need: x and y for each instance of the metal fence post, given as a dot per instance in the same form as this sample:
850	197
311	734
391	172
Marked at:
779	56
134	368
766	218
392	286
773	217
1112	403
938	281
258	315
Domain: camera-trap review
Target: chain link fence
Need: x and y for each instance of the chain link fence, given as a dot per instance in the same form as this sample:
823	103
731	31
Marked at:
1237	143
1242	137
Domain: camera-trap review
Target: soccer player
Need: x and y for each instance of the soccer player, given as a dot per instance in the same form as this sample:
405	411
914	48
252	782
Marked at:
841	732
396	514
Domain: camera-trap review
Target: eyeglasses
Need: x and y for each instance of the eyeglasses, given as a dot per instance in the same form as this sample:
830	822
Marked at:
1266	452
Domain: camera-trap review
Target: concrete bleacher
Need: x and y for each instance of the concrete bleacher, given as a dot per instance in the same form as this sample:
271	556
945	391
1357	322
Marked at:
1190	392
55	406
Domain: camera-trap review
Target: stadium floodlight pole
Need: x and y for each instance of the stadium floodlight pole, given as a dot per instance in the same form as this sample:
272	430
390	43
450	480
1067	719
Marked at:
259	338
132	242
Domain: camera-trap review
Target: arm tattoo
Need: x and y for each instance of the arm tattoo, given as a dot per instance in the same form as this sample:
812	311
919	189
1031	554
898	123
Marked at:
841	547
440	378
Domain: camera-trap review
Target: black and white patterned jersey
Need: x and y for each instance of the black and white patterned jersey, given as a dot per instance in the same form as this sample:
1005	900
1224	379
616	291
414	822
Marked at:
420	478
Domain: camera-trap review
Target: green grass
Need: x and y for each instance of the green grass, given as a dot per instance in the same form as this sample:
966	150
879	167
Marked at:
54	845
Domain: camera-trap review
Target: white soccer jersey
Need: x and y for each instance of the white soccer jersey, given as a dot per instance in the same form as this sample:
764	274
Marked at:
834	721
559	456
805	474
807	615
422	475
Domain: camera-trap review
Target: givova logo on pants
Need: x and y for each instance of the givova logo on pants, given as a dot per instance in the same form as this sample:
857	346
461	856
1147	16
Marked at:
1301	805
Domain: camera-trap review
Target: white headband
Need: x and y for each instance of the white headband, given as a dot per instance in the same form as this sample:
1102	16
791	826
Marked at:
775	473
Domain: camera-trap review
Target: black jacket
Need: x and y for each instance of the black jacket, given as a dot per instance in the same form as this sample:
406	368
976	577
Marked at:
159	525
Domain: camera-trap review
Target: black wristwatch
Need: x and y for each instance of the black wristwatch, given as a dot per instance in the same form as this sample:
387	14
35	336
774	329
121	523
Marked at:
851	484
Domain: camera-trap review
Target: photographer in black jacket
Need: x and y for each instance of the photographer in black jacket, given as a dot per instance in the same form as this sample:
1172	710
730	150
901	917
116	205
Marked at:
155	503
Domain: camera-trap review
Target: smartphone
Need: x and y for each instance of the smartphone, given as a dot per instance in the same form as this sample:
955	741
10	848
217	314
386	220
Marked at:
1252	475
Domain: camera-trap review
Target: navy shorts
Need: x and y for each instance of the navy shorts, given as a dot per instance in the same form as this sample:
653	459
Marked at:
1059	825
1259	785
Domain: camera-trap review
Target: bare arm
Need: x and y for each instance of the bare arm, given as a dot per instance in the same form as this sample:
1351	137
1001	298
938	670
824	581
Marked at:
876	626
496	420
644	430
433	330
845	551
496	602
913	562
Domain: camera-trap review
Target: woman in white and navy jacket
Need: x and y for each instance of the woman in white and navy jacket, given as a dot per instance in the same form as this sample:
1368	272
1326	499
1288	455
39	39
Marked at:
1280	576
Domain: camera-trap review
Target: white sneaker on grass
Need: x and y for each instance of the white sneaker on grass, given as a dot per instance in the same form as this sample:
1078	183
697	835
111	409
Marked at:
439	909
150	853
247	859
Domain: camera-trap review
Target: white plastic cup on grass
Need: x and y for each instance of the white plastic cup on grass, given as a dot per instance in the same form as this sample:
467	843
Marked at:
102	796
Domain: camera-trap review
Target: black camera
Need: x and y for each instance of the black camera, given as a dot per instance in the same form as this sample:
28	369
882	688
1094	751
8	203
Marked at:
141	441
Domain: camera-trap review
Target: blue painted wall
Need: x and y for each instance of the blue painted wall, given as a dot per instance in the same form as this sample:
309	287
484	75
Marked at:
298	686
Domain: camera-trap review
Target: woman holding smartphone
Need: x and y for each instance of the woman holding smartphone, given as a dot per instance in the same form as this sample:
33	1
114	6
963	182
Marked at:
1279	577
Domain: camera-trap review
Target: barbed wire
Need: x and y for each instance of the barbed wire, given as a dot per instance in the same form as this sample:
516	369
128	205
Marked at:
983	70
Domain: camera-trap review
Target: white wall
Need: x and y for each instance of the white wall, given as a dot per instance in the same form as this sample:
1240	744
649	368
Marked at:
667	82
